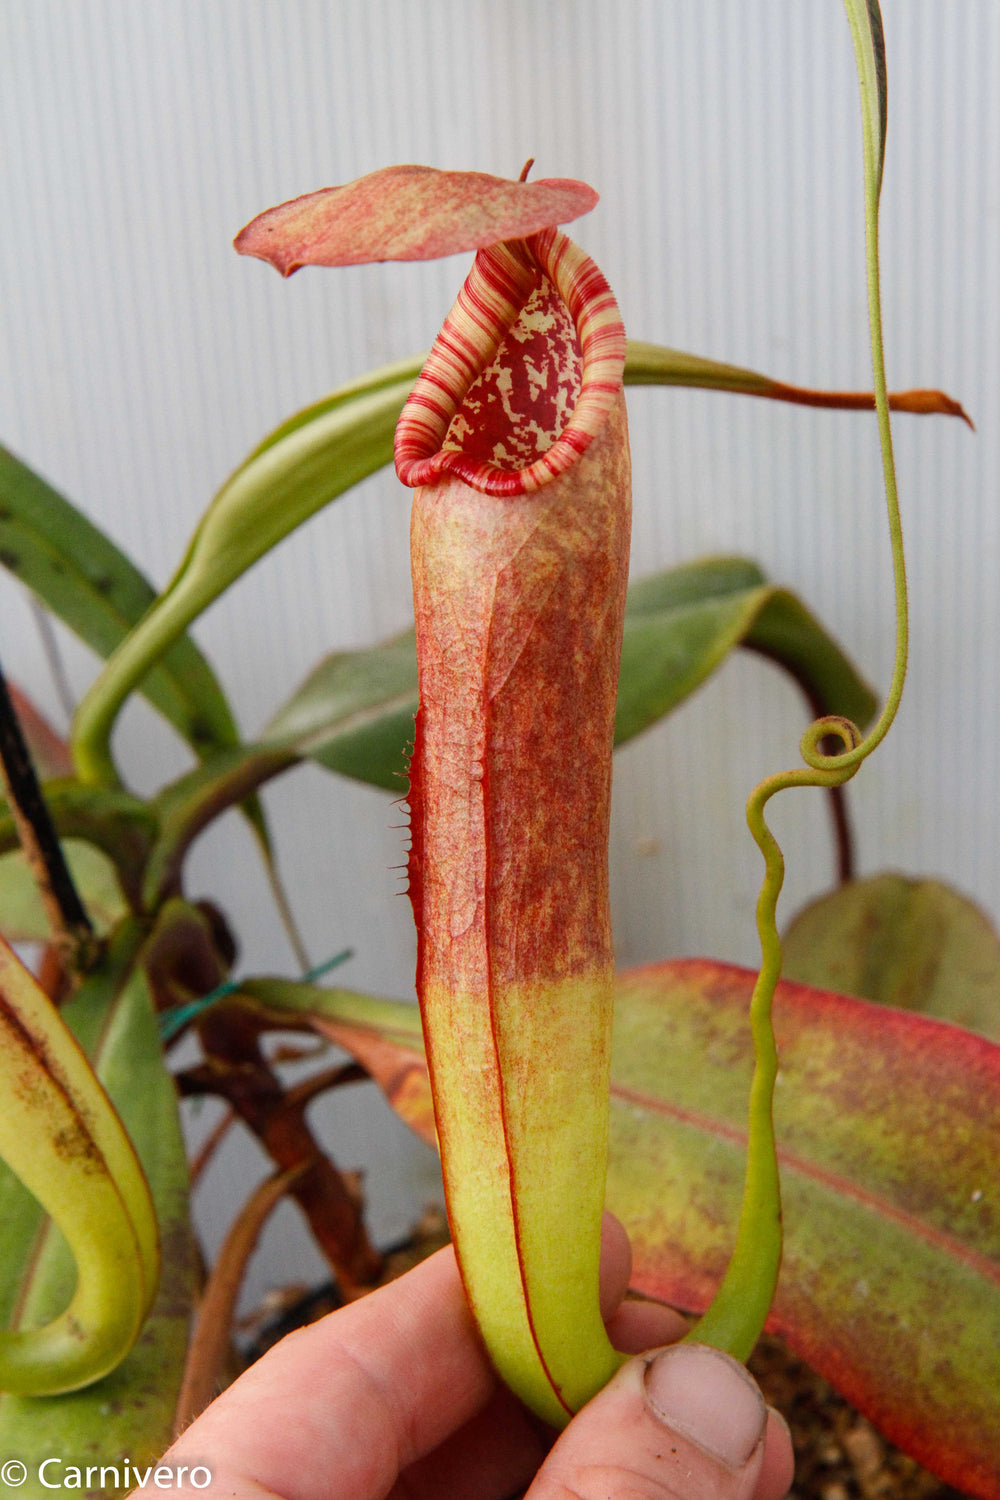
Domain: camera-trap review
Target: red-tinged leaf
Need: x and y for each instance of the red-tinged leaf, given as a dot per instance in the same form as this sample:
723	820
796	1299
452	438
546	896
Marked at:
652	364
49	751
397	1065
889	1136
408	213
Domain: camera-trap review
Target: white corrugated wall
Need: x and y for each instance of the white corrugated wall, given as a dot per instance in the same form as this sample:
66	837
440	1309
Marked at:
140	359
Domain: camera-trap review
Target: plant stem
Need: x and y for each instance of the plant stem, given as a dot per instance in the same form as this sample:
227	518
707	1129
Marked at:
210	1341
237	1071
72	930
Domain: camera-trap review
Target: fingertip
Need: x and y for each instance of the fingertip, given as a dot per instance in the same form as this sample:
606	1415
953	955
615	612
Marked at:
639	1325
777	1473
684	1423
616	1264
707	1396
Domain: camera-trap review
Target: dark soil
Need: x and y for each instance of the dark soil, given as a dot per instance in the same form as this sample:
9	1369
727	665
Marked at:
838	1454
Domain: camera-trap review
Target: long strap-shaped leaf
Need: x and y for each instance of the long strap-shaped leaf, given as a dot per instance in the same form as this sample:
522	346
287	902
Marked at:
263	502
315	456
62	1138
84	579
651	364
91	585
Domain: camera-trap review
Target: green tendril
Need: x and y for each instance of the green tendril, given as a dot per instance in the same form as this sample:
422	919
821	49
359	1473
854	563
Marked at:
737	1314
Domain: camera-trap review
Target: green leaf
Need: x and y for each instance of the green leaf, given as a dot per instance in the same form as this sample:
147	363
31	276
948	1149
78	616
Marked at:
916	944
680	626
354	713
692	583
889	1136
85	580
92	586
23	918
645	364
121	826
129	1412
653	364
315	456
288	481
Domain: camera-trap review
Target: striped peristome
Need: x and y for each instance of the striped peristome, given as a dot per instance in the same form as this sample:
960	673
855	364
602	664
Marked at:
496	289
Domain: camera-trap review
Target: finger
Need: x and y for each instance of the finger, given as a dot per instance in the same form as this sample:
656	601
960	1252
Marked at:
616	1264
339	1408
639	1325
500	1450
778	1469
493	1456
342	1407
686	1423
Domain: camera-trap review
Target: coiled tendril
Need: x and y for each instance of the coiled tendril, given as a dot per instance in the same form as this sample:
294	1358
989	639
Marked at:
737	1314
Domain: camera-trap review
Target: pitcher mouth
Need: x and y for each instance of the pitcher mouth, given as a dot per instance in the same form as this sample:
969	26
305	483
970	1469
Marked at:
501	282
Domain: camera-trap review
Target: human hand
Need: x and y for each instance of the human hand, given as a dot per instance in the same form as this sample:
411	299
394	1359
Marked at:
394	1397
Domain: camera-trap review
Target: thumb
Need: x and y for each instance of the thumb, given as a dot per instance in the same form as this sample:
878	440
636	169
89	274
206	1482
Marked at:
686	1422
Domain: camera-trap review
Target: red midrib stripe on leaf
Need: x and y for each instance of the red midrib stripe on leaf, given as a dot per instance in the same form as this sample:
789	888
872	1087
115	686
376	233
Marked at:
982	1264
